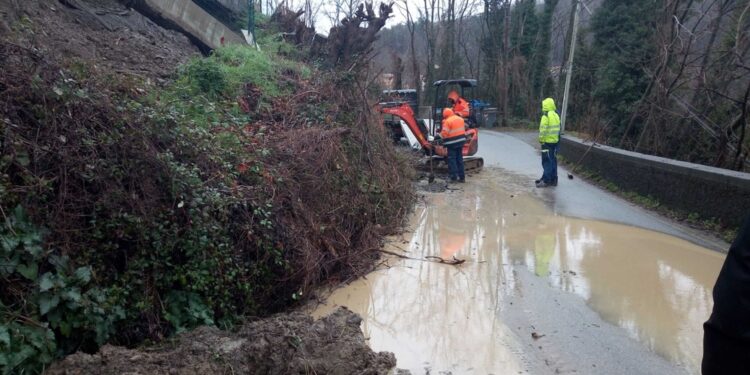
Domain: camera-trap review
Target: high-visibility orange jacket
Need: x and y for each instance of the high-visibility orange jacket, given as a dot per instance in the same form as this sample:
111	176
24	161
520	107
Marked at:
454	130
461	108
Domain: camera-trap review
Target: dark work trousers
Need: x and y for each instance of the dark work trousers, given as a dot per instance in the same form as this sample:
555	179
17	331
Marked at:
549	162
726	334
456	160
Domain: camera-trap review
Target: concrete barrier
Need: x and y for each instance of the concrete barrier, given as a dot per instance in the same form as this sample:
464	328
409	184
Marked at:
237	6
687	187
187	17
229	12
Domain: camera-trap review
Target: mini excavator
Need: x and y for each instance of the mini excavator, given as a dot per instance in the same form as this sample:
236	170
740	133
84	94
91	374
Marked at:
401	120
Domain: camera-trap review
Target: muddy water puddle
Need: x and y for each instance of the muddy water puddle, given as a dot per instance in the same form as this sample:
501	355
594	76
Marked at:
439	317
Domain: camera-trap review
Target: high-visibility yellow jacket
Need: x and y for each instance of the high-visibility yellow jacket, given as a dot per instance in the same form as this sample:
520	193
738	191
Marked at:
454	130
544	250
549	127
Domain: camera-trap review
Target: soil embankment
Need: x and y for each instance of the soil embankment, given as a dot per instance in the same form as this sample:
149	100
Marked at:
146	190
112	36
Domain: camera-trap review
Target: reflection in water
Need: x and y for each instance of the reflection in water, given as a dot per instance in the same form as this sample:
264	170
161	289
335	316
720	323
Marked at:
656	287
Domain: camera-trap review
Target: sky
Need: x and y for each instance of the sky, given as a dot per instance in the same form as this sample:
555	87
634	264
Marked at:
323	22
324	11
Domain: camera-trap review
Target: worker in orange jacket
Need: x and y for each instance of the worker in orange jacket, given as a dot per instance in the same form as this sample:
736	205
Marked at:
460	105
453	134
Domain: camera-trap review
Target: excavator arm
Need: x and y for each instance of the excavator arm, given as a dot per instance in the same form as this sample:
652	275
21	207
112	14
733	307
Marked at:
405	113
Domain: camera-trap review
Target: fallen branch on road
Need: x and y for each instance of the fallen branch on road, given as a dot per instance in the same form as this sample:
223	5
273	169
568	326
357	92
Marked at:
429	258
452	262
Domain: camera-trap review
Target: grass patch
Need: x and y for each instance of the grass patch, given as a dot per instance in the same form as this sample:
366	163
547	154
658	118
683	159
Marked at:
229	68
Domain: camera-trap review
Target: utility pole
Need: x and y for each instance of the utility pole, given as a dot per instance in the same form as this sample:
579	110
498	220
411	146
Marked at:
506	59
569	68
251	17
250	32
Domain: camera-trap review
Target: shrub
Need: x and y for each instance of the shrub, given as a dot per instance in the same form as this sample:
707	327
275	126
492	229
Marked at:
182	207
206	77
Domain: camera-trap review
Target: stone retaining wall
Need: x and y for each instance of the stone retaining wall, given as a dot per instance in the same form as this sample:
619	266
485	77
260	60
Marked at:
687	187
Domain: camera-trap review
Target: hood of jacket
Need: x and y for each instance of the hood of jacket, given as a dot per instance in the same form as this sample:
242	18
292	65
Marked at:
548	105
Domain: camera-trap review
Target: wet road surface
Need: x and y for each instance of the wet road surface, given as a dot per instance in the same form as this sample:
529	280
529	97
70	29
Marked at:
512	153
545	289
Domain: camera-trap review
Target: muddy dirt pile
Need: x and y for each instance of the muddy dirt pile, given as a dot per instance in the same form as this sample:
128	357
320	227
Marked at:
283	344
104	32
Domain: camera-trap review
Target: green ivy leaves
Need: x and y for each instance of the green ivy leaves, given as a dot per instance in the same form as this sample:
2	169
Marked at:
62	300
186	310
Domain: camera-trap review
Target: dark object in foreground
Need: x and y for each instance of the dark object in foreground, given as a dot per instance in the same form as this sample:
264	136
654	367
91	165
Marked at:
282	344
726	340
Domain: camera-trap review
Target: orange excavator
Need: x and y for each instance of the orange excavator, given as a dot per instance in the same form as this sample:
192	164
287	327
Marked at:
403	123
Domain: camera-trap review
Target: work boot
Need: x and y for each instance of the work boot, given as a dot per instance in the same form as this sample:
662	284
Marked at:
543	184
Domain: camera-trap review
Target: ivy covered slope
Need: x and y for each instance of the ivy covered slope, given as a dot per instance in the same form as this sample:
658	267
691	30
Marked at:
131	211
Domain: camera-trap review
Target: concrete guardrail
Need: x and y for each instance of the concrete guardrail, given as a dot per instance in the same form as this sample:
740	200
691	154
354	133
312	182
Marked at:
189	18
236	6
691	188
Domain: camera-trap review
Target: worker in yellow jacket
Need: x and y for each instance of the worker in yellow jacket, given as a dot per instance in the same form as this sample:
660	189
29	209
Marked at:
549	137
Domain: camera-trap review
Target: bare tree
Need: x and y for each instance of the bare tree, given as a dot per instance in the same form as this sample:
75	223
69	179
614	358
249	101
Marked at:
398	71
353	39
697	84
411	26
336	10
465	40
429	14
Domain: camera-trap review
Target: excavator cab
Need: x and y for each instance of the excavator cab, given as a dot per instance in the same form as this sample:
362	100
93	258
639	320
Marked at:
465	88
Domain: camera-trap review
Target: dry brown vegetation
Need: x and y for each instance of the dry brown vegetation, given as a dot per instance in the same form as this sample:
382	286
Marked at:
131	211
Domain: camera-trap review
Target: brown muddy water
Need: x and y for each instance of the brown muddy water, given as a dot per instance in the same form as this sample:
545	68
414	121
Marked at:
655	287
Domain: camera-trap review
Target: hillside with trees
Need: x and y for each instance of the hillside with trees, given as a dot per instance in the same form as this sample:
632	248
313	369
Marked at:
669	78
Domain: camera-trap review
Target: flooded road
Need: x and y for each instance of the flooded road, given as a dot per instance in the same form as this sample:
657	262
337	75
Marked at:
539	293
513	153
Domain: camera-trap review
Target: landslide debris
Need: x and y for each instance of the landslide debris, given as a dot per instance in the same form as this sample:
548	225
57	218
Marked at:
282	344
106	34
131	211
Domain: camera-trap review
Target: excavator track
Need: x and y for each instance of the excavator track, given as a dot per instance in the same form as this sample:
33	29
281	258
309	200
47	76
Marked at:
440	164
473	163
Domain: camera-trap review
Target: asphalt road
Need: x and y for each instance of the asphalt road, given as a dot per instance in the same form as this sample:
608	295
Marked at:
514	153
565	280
